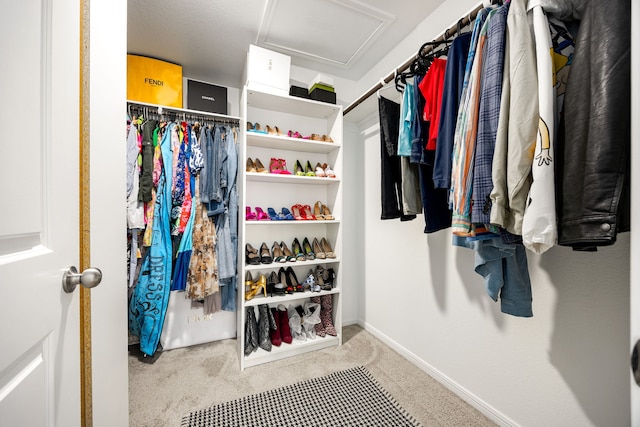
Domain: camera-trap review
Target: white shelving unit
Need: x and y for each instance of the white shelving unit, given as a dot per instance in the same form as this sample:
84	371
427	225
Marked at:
277	191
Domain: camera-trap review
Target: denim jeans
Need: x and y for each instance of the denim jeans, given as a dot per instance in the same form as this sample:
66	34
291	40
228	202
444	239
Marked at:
505	271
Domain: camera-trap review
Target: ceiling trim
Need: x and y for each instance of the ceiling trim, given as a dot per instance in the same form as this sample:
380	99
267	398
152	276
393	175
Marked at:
385	19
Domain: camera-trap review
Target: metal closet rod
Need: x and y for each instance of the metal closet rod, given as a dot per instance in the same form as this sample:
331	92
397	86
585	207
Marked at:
451	30
200	115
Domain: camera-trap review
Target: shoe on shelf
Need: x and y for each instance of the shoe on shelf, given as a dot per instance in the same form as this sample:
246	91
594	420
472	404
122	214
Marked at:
306	213
274	166
326	248
273	130
255	128
320	171
308	251
283	167
274	331
286	213
310	283
260	167
317	250
319	275
273	215
327	213
265	255
330	278
264	327
297	250
327	138
308	170
248	281
292	134
317	211
319	328
327	171
315	137
283	324
256	287
278	254
249	126
287	252
249	215
278	288
297	168
282	277
250	332
292	280
251	255
251	167
326	310
261	215
298	212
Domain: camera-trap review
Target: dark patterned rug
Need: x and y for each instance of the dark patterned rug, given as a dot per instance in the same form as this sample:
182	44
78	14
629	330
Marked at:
346	398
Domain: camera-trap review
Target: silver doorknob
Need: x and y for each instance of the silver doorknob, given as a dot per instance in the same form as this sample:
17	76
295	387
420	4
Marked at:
89	278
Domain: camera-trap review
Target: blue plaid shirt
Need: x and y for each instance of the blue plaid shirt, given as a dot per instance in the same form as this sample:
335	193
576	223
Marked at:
490	95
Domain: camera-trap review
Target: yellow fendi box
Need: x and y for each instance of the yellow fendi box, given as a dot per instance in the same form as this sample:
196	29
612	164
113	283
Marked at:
154	81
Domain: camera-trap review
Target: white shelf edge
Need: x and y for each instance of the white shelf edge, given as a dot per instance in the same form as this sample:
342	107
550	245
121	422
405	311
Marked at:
291	222
290	179
277	265
291	104
262	140
281	299
286	350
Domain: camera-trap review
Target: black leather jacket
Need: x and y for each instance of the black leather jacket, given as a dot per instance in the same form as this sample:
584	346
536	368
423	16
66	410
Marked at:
593	171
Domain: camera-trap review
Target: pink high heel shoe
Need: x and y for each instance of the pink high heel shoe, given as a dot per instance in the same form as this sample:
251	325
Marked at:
262	215
249	216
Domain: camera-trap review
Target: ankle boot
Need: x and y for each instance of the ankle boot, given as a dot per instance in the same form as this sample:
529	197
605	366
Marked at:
264	341
283	324
326	307
318	327
274	330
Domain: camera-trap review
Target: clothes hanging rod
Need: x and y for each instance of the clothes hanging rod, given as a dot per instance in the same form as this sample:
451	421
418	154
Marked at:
162	109
451	30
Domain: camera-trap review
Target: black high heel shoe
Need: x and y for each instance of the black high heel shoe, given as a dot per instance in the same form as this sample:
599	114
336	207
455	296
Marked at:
251	255
284	280
292	281
265	255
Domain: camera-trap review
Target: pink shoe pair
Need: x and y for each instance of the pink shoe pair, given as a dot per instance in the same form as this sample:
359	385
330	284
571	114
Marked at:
260	215
278	166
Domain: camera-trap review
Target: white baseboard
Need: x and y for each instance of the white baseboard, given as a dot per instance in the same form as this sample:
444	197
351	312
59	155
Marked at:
489	411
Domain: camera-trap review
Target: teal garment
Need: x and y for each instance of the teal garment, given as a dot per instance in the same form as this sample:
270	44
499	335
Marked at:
148	304
405	137
184	250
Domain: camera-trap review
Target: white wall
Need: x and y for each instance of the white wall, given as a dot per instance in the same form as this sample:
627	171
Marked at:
568	365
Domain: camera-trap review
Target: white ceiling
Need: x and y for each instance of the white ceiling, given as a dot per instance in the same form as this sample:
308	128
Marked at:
210	38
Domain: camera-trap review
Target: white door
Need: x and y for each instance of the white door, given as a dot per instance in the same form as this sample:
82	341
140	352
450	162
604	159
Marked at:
39	104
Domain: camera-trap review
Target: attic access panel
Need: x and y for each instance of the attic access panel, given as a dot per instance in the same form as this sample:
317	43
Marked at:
330	31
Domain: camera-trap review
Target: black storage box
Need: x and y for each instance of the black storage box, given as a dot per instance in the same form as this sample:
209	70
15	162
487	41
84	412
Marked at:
203	96
298	91
323	95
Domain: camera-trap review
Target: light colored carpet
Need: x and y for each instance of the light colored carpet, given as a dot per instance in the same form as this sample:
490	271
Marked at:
183	380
